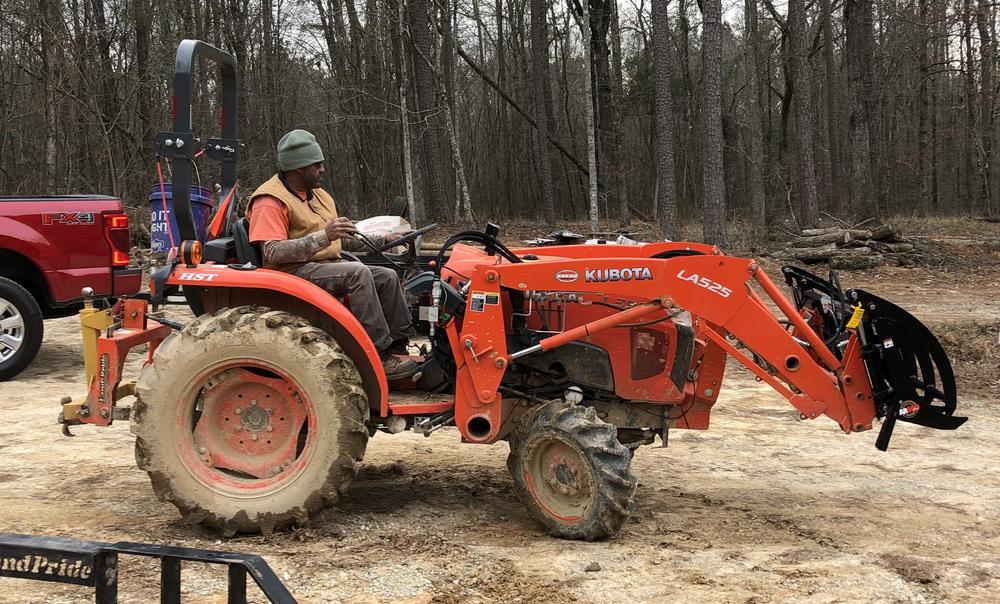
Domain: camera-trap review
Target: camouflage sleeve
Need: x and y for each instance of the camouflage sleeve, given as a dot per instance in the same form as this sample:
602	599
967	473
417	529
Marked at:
294	250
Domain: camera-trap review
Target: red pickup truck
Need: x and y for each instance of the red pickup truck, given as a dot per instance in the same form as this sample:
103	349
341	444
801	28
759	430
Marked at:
50	249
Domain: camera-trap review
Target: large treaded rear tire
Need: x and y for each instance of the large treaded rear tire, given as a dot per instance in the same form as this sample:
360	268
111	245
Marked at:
572	473
249	352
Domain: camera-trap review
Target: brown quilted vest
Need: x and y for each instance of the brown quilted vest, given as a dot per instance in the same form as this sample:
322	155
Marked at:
304	218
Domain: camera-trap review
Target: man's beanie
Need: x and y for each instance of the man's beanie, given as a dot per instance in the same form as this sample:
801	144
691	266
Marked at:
298	149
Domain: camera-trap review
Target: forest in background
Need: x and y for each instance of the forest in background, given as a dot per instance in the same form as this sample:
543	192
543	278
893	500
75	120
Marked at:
609	111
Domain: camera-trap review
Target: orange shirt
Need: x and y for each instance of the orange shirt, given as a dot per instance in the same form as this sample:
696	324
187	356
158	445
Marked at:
269	219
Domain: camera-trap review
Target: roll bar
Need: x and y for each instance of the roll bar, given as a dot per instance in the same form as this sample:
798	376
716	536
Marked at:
181	144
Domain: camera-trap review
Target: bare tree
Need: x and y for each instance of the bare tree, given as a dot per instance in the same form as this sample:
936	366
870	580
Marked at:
427	106
582	15
858	18
988	186
837	199
539	74
804	117
755	117
666	189
713	178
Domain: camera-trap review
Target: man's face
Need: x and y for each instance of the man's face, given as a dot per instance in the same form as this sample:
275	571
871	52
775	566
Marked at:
312	175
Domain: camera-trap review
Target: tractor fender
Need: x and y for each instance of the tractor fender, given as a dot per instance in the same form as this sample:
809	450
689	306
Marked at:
219	286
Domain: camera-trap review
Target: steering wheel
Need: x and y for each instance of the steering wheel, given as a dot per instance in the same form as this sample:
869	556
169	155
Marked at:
412	239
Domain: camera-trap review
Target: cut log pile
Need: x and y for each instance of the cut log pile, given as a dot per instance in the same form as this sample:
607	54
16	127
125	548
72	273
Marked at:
854	248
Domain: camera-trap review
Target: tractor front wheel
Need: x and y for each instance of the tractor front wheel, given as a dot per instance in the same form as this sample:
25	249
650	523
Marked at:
572	473
250	420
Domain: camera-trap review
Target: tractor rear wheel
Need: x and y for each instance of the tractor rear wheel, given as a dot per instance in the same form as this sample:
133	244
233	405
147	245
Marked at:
572	473
250	420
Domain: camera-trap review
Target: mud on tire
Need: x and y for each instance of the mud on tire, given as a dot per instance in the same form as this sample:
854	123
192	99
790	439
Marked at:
572	473
261	464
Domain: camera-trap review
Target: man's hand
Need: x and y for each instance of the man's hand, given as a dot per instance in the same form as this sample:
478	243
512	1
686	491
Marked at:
340	228
390	237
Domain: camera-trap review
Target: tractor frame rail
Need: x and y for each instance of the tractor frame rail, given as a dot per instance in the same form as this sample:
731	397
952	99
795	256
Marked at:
95	564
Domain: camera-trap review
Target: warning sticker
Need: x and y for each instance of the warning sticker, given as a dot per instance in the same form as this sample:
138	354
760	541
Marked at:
492	298
477	303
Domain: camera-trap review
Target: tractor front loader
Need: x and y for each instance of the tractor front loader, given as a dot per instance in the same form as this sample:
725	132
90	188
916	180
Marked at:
255	415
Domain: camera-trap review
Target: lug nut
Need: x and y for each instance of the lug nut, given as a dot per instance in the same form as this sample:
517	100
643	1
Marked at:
238	411
202	450
253	402
270	428
238	428
253	436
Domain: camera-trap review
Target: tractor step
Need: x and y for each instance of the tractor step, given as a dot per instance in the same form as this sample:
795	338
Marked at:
95	564
420	403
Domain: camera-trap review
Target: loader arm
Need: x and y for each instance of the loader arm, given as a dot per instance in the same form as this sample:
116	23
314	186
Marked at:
783	351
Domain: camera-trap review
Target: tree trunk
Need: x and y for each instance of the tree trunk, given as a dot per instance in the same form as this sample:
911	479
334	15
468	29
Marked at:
972	173
618	94
838	201
858	17
804	118
446	61
666	188
416	213
755	93
923	109
540	73
984	22
49	23
714	217
583	21
427	106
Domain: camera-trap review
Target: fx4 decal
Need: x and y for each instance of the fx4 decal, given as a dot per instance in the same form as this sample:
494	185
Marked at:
69	218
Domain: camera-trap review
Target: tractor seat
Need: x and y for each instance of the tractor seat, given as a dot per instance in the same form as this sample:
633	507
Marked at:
245	251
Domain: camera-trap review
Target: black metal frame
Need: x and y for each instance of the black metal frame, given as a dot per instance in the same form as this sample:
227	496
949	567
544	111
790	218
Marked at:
181	145
95	564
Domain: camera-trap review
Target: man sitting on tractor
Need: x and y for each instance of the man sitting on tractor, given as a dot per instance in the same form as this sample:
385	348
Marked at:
296	224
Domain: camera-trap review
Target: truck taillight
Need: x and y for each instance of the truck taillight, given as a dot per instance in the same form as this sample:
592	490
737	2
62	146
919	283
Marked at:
116	232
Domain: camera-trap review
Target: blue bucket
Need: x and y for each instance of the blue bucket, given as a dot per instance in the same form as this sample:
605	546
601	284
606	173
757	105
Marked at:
160	221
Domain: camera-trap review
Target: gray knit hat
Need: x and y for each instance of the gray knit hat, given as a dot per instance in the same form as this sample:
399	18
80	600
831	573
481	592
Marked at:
298	149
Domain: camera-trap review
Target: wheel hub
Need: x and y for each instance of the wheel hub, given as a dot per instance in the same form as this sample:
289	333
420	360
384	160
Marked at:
11	329
252	418
559	477
563	477
250	424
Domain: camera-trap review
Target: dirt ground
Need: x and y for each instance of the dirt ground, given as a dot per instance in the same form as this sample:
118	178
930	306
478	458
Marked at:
762	507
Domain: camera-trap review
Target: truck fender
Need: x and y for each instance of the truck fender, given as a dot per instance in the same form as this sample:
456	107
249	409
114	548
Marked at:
36	251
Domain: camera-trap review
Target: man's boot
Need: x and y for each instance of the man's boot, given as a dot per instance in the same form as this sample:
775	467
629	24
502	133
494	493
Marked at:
397	368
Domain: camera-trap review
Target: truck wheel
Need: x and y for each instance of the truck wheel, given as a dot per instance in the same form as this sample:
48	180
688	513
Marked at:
250	420
20	328
572	473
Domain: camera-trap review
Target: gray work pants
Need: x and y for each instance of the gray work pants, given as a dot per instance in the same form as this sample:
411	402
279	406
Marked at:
374	294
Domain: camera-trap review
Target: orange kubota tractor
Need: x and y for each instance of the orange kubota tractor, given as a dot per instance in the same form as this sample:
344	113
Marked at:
256	414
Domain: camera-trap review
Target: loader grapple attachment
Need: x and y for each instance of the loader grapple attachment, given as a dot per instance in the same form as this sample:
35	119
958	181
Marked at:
911	376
